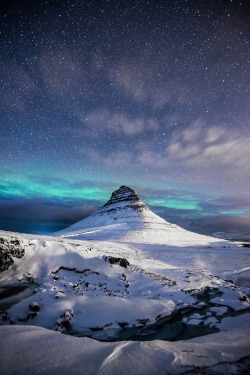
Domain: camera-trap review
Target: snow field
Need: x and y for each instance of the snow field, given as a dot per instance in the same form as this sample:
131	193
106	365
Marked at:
82	286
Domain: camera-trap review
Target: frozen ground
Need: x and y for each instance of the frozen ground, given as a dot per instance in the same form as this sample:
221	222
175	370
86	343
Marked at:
166	309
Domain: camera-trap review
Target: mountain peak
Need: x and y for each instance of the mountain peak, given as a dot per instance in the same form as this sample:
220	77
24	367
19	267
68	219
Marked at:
126	218
123	198
123	194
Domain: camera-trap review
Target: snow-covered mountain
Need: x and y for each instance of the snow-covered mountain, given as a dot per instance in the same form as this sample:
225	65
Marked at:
126	218
126	276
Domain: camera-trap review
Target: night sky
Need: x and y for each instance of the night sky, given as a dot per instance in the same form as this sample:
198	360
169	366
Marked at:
148	94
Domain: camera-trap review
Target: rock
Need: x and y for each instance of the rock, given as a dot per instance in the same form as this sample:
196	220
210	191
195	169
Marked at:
122	261
243	298
9	248
123	194
129	199
6	259
28	276
34	306
123	324
4	315
113	260
143	321
65	320
96	329
31	315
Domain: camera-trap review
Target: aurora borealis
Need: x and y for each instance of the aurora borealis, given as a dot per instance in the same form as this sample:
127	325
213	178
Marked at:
149	94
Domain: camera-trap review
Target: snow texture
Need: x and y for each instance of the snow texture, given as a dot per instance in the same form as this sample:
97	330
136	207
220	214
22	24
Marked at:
153	288
126	218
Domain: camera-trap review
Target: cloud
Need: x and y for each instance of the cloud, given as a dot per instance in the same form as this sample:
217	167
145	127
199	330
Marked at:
118	123
215	146
62	72
233	206
207	223
45	216
30	214
218	223
147	78
196	155
200	154
192	204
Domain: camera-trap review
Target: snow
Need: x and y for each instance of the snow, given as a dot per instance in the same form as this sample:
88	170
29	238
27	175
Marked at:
77	283
35	350
211	321
219	310
130	220
125	268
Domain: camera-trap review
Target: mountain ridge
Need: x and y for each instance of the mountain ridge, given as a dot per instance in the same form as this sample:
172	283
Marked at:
126	218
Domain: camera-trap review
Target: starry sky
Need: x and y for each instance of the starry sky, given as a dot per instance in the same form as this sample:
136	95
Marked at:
148	94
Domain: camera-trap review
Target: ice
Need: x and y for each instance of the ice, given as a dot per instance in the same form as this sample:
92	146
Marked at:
219	310
211	321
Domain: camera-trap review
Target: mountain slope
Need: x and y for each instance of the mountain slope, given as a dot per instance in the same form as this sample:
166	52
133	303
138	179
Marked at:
126	218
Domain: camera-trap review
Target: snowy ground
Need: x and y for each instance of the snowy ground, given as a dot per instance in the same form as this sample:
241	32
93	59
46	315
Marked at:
136	292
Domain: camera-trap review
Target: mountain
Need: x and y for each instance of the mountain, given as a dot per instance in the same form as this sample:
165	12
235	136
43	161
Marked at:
161	301
126	218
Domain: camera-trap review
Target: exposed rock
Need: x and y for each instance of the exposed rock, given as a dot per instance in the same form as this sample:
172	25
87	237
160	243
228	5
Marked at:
65	320
34	306
125	196
4	315
96	329
243	298
123	262
6	259
123	324
9	248
143	321
70	269
28	276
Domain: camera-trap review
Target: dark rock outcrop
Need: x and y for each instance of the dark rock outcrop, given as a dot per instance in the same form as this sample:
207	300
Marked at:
65	320
122	199
9	248
123	194
34	306
123	262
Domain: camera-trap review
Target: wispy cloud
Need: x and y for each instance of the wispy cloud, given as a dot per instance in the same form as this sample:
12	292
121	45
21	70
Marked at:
203	153
147	78
63	73
118	123
204	147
